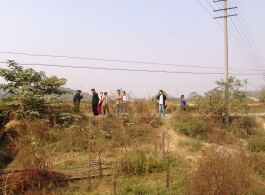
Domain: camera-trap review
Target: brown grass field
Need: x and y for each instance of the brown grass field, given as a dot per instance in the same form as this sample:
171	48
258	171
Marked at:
137	153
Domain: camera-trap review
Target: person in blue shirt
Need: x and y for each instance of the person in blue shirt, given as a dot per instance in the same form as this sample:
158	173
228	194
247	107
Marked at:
182	103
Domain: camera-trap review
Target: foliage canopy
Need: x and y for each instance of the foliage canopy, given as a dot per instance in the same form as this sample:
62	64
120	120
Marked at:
214	100
29	93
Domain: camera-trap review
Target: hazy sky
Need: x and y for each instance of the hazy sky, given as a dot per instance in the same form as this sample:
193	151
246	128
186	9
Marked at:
168	32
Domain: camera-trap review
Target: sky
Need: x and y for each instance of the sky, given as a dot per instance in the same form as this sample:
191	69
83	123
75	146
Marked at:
181	33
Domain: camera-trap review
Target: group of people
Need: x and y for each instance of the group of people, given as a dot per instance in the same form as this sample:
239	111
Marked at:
162	103
100	102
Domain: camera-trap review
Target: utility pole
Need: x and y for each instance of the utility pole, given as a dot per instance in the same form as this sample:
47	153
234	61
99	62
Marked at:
246	85
226	75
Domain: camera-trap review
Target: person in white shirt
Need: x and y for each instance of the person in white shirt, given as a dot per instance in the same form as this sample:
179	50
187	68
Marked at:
124	100
162	103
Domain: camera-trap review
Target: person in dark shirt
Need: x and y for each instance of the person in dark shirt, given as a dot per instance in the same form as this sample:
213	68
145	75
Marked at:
95	100
78	96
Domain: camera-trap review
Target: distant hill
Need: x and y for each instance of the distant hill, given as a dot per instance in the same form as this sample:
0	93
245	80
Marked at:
87	96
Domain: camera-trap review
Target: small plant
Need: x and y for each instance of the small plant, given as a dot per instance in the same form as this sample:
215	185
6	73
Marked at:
67	119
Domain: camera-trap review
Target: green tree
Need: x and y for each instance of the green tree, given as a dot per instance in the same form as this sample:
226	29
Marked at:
214	100
29	93
193	96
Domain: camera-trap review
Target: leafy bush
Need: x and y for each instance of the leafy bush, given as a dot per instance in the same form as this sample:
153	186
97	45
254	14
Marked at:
214	100
218	174
190	126
67	119
247	123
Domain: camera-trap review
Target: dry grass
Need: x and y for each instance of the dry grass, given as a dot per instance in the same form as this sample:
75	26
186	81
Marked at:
132	154
222	174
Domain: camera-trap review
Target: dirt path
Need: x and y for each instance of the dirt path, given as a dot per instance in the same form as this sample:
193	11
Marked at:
180	145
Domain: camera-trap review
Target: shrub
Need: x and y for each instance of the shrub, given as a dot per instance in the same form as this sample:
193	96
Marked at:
67	119
221	175
216	135
190	126
247	123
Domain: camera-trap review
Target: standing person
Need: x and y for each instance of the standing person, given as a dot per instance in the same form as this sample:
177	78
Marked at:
118	102
77	97
162	103
95	100
100	103
105	104
124	100
182	103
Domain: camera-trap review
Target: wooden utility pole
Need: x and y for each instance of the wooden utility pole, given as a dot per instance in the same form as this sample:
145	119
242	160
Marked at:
226	64
226	75
246	85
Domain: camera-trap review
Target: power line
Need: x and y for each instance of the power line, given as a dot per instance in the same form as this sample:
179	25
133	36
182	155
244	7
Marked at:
253	84
246	45
245	53
106	60
248	39
244	28
125	69
248	24
121	61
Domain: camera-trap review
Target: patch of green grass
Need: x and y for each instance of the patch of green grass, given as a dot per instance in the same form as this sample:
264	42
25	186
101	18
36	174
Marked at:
189	125
192	144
